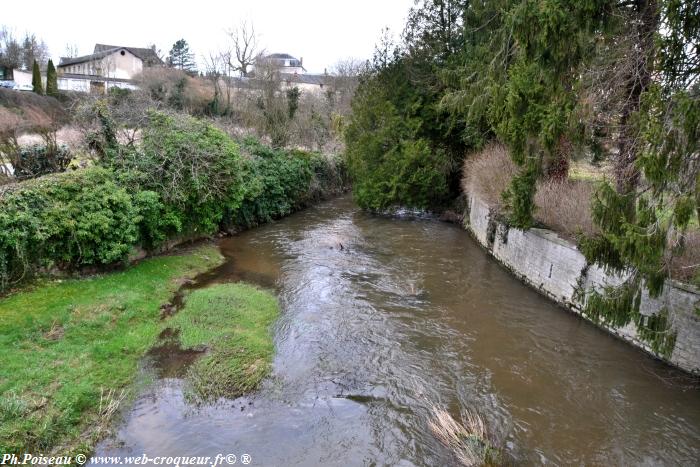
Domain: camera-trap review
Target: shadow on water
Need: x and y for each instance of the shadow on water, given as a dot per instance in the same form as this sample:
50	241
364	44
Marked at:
168	359
407	314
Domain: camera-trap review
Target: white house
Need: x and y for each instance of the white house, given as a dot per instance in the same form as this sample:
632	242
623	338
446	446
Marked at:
316	83
107	67
284	63
291	73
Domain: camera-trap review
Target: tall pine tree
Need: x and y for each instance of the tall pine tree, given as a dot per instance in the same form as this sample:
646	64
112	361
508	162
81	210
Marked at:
51	80
182	58
36	79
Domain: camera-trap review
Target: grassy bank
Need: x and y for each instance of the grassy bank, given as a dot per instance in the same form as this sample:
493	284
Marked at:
232	321
69	350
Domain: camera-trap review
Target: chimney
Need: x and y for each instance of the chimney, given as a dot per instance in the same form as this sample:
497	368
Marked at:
301	61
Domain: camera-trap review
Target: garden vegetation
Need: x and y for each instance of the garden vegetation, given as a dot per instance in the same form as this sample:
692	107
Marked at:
185	179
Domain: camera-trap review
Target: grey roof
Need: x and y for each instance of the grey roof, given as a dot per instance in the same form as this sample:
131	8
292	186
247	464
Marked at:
305	78
281	56
146	54
102	50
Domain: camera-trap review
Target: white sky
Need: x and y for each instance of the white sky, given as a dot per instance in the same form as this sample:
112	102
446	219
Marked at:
320	31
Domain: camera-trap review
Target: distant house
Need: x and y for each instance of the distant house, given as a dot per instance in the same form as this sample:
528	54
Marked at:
107	67
285	63
307	82
293	74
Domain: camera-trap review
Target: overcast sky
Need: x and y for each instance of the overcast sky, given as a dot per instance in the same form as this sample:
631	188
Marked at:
320	31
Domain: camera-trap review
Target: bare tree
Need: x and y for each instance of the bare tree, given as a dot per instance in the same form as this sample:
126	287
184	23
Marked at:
71	51
10	49
34	49
216	70
346	75
245	47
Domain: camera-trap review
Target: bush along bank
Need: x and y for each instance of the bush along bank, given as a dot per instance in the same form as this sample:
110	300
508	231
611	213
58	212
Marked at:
186	179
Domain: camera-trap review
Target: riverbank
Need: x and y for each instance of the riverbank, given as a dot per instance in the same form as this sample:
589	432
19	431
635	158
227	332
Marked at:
556	268
71	349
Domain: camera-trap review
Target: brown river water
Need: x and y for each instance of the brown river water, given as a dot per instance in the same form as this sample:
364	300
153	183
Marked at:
409	313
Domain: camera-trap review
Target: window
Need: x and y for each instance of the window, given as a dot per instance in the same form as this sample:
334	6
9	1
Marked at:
122	53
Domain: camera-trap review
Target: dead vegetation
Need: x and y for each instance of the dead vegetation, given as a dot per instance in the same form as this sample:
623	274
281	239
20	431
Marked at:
562	205
686	266
469	439
27	112
487	173
565	206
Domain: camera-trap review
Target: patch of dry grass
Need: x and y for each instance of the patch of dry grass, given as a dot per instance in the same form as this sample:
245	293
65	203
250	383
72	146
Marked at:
561	206
565	207
68	135
488	173
22	112
686	267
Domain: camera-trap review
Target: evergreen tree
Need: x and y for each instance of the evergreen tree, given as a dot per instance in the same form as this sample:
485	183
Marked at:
51	80
36	79
181	58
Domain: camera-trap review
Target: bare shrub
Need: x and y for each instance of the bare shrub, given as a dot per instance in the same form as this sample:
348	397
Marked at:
177	89
686	266
488	173
24	112
565	207
469	439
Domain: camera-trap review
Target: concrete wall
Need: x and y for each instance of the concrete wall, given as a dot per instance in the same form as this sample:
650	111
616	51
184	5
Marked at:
83	84
556	268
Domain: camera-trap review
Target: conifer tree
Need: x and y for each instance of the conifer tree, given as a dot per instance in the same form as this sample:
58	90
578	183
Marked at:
51	80
182	58
36	79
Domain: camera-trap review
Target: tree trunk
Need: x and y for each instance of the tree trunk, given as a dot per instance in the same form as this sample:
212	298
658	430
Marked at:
638	80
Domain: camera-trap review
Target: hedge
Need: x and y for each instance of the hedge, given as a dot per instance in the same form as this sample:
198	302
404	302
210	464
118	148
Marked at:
141	198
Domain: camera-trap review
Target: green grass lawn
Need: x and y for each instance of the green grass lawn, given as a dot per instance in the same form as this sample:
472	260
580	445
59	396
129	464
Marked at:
69	350
232	321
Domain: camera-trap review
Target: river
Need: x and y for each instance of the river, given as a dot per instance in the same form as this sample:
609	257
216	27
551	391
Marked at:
384	317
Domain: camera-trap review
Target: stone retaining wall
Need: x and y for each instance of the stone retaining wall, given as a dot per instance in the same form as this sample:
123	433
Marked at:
556	268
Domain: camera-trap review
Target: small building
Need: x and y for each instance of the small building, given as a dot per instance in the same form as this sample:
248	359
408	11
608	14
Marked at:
316	83
107	67
284	63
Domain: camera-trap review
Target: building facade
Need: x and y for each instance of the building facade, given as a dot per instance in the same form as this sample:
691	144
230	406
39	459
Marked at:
107	67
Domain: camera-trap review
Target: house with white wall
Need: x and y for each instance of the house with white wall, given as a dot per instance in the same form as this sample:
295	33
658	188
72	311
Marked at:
291	73
107	67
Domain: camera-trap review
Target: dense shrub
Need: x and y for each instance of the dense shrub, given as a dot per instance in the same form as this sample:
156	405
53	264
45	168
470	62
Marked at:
39	159
389	159
175	89
187	178
278	181
194	167
65	220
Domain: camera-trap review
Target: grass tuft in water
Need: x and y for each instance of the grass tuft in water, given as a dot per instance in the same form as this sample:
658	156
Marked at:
232	321
469	439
